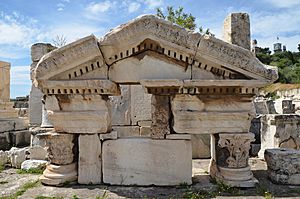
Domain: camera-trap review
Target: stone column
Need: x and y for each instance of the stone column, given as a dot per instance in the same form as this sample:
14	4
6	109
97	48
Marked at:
237	30
4	81
62	167
36	95
229	162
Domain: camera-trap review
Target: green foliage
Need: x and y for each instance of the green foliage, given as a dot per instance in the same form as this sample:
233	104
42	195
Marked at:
75	197
36	171
178	17
288	64
181	18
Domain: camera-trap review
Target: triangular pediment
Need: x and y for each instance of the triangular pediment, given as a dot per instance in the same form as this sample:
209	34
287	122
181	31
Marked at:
151	48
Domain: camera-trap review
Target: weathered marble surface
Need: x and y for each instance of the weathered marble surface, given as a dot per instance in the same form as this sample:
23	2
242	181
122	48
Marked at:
201	146
6	107
79	113
237	29
279	131
160	114
4	81
205	115
140	104
283	165
121	107
147	162
127	131
59	147
90	160
57	175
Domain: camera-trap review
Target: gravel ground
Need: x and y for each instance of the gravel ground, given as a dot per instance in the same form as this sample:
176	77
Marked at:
11	182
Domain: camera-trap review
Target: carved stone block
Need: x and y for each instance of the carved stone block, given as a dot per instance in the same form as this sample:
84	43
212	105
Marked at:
232	149
160	112
59	147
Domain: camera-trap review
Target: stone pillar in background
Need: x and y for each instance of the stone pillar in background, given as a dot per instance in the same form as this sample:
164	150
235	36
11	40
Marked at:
229	163
4	81
237	30
36	95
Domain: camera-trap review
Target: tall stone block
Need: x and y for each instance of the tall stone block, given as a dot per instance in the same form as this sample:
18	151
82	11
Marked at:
4	81
237	30
89	163
140	104
160	112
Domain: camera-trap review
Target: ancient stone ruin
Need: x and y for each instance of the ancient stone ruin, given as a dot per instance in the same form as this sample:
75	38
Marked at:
13	128
124	107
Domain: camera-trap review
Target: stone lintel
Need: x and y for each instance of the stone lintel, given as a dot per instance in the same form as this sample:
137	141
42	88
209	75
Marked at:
67	57
103	87
84	122
218	87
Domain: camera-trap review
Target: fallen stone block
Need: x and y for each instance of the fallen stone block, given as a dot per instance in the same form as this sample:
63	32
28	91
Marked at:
283	166
33	164
17	156
37	153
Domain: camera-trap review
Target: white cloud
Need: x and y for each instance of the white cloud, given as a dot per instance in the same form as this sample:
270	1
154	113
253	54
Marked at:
133	7
16	30
270	24
60	6
96	8
19	75
71	31
151	4
284	3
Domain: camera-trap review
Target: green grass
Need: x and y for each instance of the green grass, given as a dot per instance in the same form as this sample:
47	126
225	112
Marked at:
47	197
2	167
37	171
22	190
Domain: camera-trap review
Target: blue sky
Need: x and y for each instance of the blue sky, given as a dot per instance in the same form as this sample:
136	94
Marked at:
25	22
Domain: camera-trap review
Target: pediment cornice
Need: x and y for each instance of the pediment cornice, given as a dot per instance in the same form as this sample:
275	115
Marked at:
150	33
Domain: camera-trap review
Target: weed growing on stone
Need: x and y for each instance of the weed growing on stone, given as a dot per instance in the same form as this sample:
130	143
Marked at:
75	197
104	196
37	171
2	167
263	191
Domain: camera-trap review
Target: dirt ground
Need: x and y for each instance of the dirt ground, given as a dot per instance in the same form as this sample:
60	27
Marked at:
11	183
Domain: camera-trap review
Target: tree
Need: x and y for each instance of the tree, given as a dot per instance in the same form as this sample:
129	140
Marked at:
181	18
59	41
299	47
